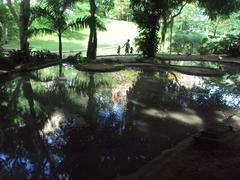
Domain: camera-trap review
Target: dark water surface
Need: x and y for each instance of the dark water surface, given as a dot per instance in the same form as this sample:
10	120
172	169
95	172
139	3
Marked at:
77	125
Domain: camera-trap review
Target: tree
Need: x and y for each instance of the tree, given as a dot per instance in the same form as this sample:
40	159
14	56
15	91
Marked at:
94	22
214	8
53	15
148	13
104	7
172	17
23	22
92	41
5	17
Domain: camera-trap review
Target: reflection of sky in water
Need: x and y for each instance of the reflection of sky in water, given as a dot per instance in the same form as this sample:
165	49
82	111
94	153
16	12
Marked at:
116	113
231	99
9	164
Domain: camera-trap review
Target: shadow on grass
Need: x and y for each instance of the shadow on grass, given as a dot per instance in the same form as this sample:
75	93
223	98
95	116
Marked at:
75	35
52	45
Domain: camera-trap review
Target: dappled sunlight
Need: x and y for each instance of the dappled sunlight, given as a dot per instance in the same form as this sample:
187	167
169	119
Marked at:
188	117
59	120
220	115
155	113
234	122
138	103
188	81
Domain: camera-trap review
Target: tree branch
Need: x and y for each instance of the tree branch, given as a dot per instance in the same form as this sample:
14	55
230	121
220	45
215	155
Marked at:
180	10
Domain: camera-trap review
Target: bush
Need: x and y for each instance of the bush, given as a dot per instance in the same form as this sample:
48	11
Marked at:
187	42
43	55
77	58
230	45
20	57
1	51
211	46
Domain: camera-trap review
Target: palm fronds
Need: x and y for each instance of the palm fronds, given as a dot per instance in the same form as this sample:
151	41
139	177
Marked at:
37	31
80	23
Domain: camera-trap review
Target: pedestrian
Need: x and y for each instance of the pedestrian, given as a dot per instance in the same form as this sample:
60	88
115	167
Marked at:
131	50
118	50
127	46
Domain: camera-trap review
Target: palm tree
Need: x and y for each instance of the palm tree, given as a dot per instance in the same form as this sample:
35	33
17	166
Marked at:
54	15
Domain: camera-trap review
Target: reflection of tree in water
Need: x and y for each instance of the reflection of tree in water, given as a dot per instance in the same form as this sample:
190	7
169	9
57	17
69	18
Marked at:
173	97
153	122
24	151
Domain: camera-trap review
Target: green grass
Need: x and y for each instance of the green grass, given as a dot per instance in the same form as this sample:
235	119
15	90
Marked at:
117	33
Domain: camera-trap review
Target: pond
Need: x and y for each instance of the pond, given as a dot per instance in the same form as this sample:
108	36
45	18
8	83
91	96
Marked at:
61	123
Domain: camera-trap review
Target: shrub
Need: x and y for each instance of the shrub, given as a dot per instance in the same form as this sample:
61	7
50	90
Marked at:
43	55
187	42
18	56
77	58
230	45
1	51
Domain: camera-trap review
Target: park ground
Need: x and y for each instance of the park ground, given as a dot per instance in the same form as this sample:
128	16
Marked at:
74	41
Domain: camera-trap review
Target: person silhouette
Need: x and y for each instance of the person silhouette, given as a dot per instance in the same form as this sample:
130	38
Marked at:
131	50
127	46
118	50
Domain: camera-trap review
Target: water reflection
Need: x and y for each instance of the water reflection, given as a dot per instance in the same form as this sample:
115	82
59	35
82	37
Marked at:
59	123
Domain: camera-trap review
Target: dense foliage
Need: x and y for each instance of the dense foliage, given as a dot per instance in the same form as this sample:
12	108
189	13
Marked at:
229	44
187	43
149	15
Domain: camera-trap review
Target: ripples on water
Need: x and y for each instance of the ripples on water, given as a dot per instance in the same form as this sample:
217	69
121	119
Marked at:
77	125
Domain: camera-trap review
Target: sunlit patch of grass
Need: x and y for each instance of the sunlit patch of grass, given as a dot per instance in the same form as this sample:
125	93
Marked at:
117	34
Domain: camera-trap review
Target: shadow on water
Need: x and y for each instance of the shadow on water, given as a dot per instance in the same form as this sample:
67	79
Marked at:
59	123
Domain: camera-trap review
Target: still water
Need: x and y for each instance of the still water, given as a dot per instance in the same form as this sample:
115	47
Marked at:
78	125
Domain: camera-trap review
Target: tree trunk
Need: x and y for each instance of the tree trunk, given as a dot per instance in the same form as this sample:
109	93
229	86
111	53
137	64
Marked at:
1	33
60	44
152	41
92	42
171	34
23	22
5	35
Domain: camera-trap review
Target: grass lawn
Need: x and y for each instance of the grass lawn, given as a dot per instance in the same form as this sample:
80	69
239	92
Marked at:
117	34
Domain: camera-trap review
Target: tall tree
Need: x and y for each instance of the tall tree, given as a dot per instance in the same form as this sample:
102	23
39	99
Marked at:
92	41
94	23
5	18
104	7
23	21
148	13
54	16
